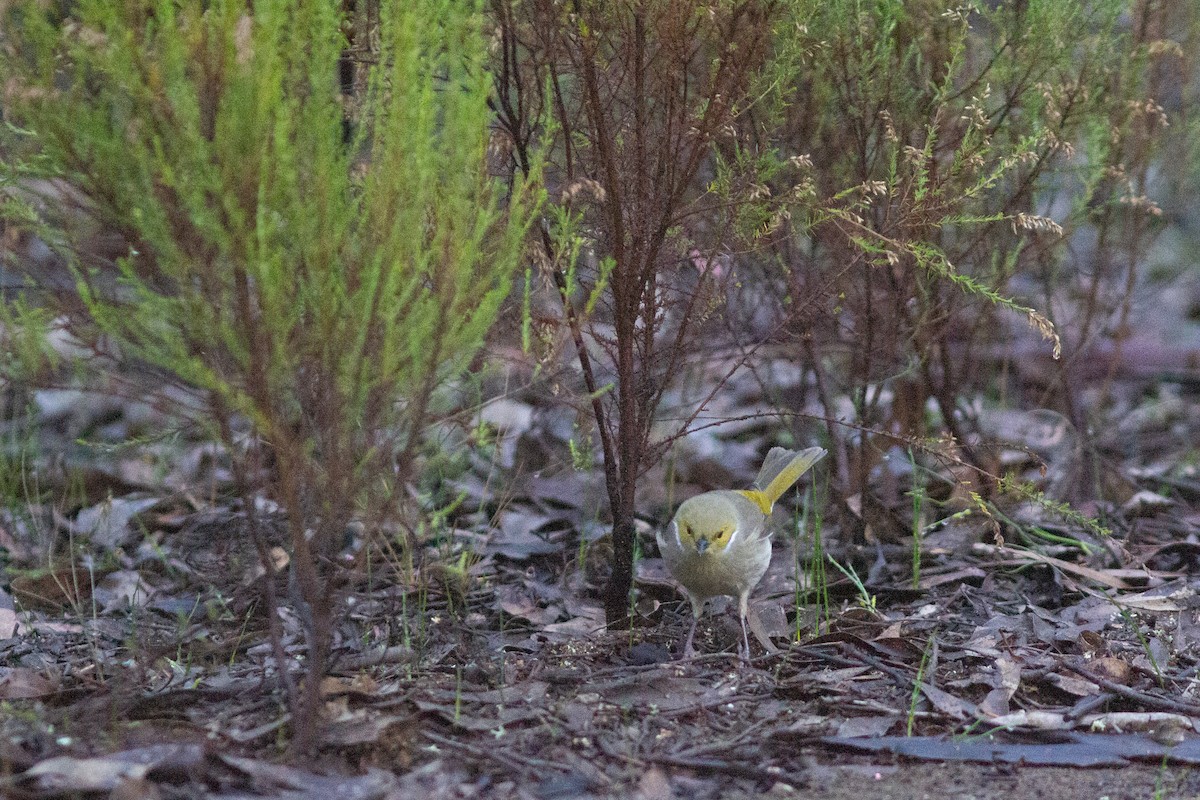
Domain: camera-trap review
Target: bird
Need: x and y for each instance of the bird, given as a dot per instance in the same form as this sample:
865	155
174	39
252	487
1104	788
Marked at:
718	544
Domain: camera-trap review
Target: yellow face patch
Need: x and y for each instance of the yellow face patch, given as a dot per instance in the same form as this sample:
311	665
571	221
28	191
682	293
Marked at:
703	538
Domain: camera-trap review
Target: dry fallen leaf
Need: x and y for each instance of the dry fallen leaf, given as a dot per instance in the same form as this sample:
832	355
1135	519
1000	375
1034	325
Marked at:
21	683
1073	684
1112	668
654	784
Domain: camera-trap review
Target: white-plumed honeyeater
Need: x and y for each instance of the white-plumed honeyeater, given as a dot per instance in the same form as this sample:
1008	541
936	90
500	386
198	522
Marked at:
718	543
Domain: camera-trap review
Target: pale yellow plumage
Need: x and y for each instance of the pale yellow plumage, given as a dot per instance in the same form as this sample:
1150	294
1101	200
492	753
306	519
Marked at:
718	543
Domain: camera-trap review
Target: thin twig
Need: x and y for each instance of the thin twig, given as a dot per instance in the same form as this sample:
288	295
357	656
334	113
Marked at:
1148	700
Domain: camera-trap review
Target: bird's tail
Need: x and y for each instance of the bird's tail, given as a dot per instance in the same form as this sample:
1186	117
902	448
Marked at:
782	468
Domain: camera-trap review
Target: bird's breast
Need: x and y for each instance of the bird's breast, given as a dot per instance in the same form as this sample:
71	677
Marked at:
711	573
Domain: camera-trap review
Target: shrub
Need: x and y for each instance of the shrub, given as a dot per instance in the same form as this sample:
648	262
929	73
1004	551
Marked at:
317	285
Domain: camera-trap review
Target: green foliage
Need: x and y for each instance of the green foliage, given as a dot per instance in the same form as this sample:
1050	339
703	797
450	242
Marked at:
929	133
866	600
307	282
915	696
930	173
933	128
1065	511
25	328
813	568
918	501
320	286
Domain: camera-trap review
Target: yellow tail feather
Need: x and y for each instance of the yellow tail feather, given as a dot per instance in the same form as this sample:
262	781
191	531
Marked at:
782	468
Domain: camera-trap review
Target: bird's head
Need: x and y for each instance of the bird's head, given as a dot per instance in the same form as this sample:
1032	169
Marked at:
706	524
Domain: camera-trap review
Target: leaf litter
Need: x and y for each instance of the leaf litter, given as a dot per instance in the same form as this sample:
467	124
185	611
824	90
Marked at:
485	665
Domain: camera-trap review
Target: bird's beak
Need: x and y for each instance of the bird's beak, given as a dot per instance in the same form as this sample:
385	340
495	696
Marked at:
701	544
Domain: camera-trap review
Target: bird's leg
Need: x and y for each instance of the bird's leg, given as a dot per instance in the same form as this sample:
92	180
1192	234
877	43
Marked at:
697	610
688	650
743	610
